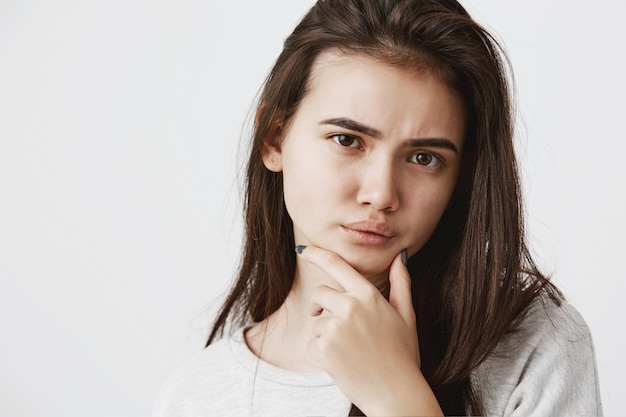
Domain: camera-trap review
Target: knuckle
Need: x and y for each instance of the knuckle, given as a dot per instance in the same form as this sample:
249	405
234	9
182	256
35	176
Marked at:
370	294
317	291
352	312
333	328
351	307
331	258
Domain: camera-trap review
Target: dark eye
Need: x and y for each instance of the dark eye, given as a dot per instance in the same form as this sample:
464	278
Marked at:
426	159
346	140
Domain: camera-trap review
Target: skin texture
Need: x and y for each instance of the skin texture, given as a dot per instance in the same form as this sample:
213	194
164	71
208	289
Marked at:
369	161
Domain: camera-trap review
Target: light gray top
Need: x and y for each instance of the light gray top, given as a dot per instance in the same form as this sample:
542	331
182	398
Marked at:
546	368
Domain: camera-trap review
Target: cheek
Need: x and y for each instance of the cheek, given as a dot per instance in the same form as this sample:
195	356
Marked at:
311	185
424	210
318	197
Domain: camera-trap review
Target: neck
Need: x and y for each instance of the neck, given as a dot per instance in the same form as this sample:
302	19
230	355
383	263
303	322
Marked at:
282	338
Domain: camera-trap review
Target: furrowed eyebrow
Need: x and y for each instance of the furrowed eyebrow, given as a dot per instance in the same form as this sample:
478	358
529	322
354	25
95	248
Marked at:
350	124
433	143
353	125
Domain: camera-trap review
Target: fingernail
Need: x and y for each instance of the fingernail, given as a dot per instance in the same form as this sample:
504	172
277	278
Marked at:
404	255
299	249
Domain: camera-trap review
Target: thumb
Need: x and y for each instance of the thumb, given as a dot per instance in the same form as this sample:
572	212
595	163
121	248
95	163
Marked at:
400	290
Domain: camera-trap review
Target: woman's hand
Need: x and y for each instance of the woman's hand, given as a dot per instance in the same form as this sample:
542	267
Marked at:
368	345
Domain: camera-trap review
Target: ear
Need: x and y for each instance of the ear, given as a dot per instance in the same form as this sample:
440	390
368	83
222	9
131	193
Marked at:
272	157
270	152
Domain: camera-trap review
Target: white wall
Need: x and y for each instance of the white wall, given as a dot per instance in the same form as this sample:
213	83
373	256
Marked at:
119	127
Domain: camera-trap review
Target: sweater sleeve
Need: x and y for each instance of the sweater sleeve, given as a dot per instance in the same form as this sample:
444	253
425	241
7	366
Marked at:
547	367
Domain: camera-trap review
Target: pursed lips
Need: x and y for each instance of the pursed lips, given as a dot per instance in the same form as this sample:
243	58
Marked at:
370	232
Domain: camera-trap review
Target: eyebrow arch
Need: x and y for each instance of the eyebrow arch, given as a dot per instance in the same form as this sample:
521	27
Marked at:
376	134
353	125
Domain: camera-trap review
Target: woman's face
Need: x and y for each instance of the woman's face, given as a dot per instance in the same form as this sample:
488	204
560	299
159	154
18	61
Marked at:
370	159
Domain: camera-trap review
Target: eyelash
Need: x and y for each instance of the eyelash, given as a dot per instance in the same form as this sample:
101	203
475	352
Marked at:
434	158
337	139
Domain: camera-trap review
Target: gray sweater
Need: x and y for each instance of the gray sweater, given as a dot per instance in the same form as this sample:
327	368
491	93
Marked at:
546	368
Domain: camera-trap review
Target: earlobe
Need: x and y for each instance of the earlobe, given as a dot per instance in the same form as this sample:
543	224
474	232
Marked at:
272	158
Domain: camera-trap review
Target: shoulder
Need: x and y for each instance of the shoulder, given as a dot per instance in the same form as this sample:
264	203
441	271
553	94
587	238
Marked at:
545	366
200	385
547	325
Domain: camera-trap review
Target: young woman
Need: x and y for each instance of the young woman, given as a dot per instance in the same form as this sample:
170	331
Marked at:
385	270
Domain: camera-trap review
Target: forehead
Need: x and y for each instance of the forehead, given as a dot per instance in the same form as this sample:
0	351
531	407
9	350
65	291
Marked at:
398	100
336	57
347	61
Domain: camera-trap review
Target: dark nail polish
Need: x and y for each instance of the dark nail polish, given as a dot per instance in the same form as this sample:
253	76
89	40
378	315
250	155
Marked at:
405	257
299	249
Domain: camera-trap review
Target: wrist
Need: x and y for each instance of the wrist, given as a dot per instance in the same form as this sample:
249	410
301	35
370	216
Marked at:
407	394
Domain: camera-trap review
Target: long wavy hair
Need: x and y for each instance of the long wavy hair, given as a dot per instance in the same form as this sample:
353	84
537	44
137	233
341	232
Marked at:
474	279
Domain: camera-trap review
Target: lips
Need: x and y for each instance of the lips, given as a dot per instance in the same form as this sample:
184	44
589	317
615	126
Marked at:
369	232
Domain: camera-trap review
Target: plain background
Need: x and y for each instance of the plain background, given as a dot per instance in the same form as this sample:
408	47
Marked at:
120	126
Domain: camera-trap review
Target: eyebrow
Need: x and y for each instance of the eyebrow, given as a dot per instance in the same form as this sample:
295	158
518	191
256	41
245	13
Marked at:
433	143
353	125
376	134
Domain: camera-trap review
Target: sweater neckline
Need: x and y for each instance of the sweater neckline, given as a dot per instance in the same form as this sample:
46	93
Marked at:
267	371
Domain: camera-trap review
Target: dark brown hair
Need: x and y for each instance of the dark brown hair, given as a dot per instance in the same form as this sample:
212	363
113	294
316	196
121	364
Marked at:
474	279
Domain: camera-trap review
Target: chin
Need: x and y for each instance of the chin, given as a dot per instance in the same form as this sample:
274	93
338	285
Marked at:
371	267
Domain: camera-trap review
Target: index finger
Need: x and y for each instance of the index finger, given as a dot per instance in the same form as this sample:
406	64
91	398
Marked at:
334	266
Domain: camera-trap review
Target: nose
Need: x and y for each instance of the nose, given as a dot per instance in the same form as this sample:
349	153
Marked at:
379	185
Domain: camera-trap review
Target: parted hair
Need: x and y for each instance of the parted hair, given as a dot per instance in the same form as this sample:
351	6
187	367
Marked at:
474	279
